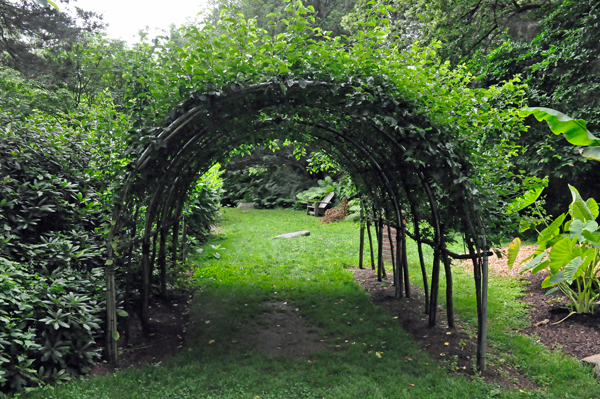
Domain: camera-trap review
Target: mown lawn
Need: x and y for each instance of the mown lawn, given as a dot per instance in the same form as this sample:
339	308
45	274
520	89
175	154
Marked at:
368	353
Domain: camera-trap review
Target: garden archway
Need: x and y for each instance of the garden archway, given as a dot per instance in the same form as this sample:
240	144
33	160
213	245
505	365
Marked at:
404	168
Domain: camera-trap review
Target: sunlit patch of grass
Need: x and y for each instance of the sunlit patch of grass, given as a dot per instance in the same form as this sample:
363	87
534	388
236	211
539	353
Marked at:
368	353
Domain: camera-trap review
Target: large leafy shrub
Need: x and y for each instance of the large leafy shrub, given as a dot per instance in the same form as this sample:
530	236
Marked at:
49	324
266	187
51	215
54	184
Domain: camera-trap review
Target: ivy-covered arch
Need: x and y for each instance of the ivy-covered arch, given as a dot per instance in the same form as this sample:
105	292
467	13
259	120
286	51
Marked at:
405	168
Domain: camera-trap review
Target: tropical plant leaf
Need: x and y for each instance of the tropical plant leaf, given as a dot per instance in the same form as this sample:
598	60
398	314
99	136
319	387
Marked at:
588	257
535	262
551	291
525	200
592	153
578	208
540	267
122	313
556	278
560	254
513	251
549	232
571	269
574	130
591	237
577	227
115	335
546	282
593	206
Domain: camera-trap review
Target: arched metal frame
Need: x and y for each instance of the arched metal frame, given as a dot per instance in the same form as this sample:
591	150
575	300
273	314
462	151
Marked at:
381	146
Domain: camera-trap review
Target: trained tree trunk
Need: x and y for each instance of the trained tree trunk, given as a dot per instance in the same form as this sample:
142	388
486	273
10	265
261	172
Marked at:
126	299
371	244
361	246
395	271
380	249
413	209
145	302
112	352
449	296
435	287
404	261
162	261
153	261
183	241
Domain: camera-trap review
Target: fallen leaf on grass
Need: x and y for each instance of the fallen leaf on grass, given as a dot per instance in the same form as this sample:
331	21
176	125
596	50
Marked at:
539	323
212	341
378	354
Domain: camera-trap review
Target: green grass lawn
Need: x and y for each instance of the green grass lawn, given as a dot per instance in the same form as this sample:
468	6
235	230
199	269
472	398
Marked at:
368	352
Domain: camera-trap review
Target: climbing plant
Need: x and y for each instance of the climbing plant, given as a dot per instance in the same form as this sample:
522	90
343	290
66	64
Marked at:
412	132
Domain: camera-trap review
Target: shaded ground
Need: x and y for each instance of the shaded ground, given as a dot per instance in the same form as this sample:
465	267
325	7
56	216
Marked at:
456	347
284	333
168	321
280	332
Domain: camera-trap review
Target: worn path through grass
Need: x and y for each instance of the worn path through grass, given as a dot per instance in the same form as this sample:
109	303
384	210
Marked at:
366	355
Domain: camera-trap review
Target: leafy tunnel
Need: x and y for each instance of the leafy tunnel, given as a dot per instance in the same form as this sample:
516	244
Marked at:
406	169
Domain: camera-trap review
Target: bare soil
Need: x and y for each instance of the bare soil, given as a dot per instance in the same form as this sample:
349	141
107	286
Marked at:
284	333
456	347
578	335
164	338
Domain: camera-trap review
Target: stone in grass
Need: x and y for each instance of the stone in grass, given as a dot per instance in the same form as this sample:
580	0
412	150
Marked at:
594	360
295	234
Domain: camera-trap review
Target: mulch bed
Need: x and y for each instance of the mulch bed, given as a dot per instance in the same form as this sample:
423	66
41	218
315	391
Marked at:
166	334
578	335
456	347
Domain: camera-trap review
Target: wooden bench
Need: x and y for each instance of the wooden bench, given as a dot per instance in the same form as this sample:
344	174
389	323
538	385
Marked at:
317	208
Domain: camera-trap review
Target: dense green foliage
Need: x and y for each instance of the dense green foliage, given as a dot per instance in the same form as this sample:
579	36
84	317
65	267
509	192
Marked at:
268	177
53	204
63	144
204	204
270	15
552	45
479	122
76	108
560	65
49	324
